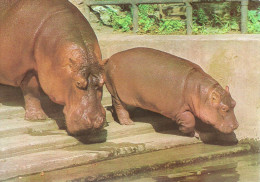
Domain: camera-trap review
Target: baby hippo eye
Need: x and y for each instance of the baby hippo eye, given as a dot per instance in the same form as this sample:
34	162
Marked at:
224	108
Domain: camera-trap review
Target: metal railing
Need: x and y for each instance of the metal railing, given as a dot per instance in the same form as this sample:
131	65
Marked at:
188	3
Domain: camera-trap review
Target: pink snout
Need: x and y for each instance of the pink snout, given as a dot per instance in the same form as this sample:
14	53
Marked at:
227	127
84	121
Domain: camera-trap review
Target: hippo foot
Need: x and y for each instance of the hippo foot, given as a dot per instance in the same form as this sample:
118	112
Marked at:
126	122
35	115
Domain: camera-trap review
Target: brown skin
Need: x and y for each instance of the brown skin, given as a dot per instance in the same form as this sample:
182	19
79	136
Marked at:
49	44
169	85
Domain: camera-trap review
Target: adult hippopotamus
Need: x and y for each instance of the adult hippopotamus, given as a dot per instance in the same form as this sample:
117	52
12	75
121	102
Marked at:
49	44
169	85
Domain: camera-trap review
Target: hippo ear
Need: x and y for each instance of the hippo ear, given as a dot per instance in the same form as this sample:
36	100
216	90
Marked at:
215	97
101	80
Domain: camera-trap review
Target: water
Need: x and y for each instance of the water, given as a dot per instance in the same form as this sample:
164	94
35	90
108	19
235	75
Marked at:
230	169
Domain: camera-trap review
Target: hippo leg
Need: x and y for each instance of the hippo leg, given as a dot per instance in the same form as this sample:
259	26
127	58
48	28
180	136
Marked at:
30	88
122	113
186	121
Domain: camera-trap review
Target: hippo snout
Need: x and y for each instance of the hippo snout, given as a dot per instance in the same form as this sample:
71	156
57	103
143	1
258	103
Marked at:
227	128
234	126
82	124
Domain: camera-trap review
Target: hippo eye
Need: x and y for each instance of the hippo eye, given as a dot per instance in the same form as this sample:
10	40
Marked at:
81	84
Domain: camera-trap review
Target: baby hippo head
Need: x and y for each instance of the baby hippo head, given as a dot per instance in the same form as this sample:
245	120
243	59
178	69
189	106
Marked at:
218	110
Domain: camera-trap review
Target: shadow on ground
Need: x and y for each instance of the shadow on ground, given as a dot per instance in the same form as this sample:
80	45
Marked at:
207	133
12	96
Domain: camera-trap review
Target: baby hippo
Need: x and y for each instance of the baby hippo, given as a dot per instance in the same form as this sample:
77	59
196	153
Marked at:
169	85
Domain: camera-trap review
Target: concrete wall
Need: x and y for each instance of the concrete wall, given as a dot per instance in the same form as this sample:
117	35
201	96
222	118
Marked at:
233	60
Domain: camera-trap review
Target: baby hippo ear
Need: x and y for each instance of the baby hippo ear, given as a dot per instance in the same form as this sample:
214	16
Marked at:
215	97
103	62
227	89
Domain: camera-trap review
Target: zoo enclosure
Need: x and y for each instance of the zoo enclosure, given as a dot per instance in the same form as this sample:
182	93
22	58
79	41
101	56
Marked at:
188	3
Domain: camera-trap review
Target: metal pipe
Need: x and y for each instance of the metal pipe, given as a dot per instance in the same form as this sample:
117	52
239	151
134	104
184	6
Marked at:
244	11
135	17
189	18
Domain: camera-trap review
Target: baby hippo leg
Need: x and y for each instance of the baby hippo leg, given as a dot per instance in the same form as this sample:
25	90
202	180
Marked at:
122	113
30	88
186	121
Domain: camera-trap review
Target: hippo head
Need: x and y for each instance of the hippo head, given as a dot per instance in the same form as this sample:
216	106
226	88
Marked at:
75	80
83	109
218	110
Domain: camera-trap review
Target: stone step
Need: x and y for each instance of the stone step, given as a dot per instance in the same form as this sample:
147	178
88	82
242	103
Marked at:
84	154
12	113
12	127
34	142
9	108
36	138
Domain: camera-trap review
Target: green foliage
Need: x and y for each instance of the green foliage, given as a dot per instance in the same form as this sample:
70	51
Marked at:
150	23
122	23
170	26
205	20
254	21
147	21
201	18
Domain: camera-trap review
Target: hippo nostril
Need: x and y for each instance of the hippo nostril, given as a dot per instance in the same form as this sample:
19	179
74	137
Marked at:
236	126
99	122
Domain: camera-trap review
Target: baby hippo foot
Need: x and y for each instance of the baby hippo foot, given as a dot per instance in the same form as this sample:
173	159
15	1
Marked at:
35	114
193	134
126	121
122	113
186	121
196	135
188	131
123	117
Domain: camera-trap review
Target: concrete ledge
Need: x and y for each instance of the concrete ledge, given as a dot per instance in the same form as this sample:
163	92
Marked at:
83	154
130	165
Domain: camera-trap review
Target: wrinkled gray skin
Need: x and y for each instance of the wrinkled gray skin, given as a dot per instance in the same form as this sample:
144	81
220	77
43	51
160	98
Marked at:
169	85
49	44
